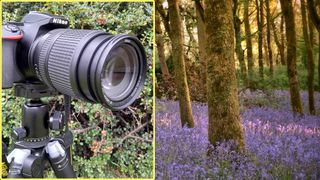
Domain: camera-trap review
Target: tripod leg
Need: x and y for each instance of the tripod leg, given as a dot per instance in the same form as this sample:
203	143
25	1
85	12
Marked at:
59	160
16	159
5	164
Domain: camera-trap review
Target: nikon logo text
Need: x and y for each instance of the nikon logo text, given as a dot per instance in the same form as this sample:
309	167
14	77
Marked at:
59	21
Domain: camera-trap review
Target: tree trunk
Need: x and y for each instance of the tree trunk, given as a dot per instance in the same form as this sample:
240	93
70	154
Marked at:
282	50
186	15
264	42
223	105
311	33
315	18
201	41
269	38
278	43
248	39
265	49
310	62
239	50
176	37
260	35
160	49
164	16
287	9
319	61
188	47
312	7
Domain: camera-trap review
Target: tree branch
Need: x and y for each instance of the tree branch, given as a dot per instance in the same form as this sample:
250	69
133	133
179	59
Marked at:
141	139
134	131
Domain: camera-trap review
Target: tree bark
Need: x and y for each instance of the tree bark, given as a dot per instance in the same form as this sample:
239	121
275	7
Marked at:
223	105
239	50
269	38
310	62
278	43
319	61
311	32
312	7
248	40
287	9
160	49
282	36
260	35
177	40
201	41
315	18
264	41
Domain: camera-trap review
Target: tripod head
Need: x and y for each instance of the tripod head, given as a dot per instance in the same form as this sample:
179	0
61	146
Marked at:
33	144
36	120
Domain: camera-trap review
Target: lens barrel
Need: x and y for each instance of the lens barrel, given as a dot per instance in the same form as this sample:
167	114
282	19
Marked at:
90	65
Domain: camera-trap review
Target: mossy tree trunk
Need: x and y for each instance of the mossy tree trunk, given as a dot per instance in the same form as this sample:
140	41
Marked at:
269	38
201	41
176	36
223	105
310	62
287	9
239	50
160	48
260	35
248	39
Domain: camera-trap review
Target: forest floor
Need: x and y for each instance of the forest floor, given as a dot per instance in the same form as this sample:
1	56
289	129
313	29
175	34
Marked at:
278	144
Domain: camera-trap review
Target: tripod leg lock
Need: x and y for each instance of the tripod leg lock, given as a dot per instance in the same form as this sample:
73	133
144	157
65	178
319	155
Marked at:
59	160
16	159
5	164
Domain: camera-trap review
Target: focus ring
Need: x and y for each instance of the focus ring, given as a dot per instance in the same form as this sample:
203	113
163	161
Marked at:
45	43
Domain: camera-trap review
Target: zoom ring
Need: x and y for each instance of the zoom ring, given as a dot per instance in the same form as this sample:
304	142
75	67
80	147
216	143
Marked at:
55	65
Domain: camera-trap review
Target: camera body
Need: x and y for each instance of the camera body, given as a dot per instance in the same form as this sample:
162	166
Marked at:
17	39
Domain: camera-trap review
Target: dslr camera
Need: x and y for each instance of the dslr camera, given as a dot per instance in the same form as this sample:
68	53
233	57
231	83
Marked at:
42	57
42	54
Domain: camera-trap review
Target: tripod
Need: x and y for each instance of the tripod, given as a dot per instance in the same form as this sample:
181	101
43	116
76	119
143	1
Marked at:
33	145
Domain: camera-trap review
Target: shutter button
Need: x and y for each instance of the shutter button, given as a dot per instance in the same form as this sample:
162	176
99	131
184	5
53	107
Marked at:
12	28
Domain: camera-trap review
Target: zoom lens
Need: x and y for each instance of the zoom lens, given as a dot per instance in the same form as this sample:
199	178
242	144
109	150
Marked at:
90	65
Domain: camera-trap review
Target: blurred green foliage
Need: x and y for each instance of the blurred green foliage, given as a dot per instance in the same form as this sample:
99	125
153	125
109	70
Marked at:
101	147
279	79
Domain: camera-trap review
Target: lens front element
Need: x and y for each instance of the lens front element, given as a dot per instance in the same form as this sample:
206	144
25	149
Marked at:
120	73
